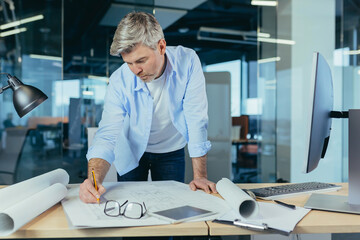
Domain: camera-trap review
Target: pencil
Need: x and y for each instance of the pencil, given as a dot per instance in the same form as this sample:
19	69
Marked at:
95	185
285	204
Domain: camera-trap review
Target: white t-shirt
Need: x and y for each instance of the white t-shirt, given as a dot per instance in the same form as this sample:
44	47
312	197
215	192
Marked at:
163	135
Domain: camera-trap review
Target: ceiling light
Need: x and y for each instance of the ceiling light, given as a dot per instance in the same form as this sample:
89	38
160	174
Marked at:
46	57
88	93
12	32
22	21
270	87
237	36
266	60
270	82
228	31
226	35
265	35
225	40
102	79
276	40
264	3
183	30
352	52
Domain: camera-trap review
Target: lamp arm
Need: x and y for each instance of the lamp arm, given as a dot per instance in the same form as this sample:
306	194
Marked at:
4	73
2	89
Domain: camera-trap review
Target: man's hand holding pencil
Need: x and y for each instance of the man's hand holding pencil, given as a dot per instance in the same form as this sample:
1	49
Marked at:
88	193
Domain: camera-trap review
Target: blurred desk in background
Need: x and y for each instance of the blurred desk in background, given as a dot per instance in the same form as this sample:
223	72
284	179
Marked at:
246	159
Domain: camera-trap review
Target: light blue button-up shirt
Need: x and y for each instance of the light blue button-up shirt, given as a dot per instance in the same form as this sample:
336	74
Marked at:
124	129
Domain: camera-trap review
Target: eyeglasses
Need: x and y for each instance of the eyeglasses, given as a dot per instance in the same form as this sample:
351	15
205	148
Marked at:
128	209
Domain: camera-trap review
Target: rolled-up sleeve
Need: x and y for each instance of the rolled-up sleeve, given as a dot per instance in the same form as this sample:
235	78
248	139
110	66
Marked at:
196	110
110	125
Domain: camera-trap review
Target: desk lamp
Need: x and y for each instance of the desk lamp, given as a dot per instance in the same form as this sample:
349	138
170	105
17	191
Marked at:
25	97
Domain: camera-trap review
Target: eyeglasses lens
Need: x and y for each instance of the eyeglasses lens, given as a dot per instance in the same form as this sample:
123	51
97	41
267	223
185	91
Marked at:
112	208
133	210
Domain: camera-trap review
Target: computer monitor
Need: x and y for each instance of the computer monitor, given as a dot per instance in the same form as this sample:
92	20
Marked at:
318	138
321	87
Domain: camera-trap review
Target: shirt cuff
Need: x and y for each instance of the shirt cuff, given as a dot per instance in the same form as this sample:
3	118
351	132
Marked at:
102	152
199	149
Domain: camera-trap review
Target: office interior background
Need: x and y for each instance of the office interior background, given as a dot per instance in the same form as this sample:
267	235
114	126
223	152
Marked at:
257	61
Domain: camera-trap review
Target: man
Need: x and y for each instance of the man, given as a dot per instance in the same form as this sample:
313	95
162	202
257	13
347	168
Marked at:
155	104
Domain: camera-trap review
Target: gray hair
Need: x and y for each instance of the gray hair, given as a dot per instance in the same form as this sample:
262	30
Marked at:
135	28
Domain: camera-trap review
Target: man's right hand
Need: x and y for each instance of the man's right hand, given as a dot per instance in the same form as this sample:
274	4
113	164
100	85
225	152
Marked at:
88	193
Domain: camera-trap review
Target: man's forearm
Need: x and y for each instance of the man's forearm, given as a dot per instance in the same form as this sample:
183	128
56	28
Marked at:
100	167
199	167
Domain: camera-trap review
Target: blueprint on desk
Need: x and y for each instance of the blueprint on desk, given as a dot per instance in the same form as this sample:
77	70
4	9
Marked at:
157	195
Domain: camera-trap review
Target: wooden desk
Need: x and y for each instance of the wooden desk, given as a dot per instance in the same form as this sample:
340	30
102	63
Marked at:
244	141
314	222
53	224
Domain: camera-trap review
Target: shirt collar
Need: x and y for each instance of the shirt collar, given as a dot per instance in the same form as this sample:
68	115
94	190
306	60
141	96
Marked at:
170	62
139	84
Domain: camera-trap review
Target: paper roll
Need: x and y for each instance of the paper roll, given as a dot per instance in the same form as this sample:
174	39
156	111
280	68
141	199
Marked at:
16	216
21	202
15	193
237	198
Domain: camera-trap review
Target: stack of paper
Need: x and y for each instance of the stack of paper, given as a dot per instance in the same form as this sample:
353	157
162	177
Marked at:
157	196
21	202
248	210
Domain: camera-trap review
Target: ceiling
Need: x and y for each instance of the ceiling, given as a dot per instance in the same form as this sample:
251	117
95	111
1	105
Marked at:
217	30
88	32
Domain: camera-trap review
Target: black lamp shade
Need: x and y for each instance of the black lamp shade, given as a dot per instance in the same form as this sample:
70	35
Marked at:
26	98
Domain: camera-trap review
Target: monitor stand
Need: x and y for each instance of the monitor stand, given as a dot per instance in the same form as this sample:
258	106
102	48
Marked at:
351	203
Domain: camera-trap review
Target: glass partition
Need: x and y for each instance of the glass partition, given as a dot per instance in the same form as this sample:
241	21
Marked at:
347	44
267	92
307	26
65	53
31	50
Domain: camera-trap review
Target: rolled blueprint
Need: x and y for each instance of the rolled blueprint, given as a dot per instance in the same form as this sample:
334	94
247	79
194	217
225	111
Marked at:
18	192
21	202
237	198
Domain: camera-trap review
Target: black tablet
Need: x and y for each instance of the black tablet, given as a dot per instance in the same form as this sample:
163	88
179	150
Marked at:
181	214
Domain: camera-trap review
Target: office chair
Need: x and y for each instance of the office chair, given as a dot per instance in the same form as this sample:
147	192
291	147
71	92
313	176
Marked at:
246	151
242	121
11	154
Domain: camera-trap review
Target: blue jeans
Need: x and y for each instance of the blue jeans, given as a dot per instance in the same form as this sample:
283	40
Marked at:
163	166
